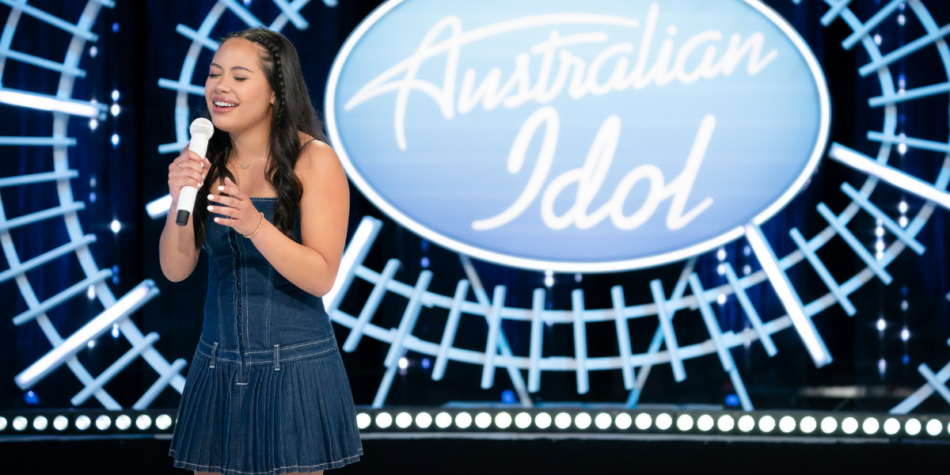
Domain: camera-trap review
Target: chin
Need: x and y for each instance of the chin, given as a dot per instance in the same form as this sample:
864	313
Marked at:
221	125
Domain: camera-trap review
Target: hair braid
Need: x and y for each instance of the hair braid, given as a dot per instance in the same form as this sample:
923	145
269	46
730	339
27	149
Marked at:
275	58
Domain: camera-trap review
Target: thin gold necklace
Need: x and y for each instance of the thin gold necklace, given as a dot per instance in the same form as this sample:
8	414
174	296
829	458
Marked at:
245	165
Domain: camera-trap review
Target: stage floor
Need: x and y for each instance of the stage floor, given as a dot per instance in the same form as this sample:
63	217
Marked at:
458	457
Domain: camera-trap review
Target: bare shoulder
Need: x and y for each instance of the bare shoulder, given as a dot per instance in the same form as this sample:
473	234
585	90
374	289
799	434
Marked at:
318	163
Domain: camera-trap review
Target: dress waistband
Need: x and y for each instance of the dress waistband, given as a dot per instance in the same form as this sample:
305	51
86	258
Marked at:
273	356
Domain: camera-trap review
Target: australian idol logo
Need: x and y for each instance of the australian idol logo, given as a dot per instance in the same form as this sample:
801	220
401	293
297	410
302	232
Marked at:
609	136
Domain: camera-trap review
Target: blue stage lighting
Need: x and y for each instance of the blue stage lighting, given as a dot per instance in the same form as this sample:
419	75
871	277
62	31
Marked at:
508	396
31	398
732	400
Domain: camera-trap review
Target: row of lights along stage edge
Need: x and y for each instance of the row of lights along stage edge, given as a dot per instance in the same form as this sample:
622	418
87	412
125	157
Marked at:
551	422
43	424
580	422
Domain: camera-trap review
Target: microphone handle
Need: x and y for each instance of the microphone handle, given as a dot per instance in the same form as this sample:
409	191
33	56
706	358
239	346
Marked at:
186	203
187	195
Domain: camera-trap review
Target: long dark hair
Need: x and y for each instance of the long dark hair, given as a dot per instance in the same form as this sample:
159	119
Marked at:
292	112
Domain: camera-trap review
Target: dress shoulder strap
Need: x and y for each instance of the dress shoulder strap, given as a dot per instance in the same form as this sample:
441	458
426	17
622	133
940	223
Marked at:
305	143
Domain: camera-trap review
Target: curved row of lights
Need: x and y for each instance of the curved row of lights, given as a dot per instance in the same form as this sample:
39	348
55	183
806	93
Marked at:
83	422
684	422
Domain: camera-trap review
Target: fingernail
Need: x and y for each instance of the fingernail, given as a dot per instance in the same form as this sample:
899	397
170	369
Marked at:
216	220
202	164
220	188
211	197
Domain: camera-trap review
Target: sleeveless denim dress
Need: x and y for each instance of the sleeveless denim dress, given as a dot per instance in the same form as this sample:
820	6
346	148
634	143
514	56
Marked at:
267	392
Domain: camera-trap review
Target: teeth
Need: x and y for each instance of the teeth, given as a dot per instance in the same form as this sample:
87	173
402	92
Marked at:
224	104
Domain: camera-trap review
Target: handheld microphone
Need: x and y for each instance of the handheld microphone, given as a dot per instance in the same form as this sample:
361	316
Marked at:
201	132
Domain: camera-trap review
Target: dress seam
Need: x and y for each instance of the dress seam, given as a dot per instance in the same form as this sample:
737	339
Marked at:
220	360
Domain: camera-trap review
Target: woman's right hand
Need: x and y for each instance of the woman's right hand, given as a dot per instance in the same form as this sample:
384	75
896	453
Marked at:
188	169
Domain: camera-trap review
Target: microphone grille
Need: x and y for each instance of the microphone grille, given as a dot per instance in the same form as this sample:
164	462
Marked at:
203	127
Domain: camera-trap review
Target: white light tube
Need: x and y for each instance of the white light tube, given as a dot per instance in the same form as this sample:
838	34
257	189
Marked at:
806	329
124	307
47	103
891	175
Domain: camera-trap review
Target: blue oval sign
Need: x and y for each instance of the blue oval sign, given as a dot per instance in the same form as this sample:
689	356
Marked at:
589	136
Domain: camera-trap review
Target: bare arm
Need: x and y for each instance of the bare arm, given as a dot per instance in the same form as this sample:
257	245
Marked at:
176	248
324	212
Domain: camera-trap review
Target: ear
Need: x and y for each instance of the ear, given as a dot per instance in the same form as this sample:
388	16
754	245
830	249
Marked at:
273	97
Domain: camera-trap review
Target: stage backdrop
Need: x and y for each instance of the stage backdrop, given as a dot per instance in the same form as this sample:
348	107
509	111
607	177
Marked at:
120	170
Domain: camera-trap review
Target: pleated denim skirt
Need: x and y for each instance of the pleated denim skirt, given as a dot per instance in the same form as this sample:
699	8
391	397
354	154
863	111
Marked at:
279	411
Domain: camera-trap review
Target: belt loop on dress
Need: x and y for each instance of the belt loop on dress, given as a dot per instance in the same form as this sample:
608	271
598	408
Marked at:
276	357
214	354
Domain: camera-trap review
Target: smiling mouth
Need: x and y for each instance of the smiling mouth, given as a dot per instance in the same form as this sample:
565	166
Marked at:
224	104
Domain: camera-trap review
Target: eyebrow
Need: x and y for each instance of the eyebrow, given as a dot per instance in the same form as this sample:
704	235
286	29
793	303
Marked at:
235	67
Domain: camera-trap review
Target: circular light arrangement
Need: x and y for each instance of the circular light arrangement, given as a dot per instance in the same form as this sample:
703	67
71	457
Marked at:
828	425
726	423
623	421
60	422
705	422
83	422
503	420
123	422
144	422
384	420
892	426
786	424
934	427
403	420
870	426
40	423
746	423
443	420
523	420
684	422
163	422
849	425
542	420
664	421
3	423
103	422
19	423
562	420
423	420
808	424
643	421
603	420
463	420
912	426
483	420
582	420
766	424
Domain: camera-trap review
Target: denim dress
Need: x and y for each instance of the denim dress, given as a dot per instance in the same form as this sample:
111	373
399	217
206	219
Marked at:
267	392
